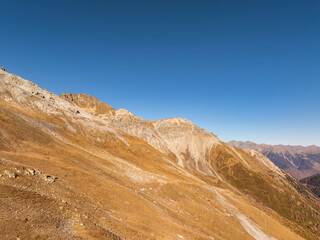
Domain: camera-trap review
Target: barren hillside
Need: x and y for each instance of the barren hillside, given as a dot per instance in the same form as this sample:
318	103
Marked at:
75	168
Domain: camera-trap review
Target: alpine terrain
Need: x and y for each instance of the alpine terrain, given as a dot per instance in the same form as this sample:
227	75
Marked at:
72	167
299	161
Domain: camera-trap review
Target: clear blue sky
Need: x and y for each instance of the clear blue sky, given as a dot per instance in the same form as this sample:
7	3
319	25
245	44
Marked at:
245	70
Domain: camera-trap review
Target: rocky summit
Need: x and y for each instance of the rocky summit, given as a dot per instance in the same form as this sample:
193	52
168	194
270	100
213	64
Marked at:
73	167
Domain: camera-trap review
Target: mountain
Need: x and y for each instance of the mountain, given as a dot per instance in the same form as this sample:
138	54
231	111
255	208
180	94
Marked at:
72	167
299	161
313	183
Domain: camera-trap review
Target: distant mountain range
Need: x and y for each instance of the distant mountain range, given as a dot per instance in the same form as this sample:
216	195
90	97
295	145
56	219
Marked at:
299	161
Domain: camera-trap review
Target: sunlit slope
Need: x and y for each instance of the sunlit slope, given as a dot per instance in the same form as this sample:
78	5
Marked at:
66	173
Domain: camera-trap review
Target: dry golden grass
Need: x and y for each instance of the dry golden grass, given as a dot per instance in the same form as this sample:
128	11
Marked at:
113	185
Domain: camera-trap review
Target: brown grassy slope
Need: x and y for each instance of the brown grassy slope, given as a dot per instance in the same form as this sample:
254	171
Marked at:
283	195
106	188
84	178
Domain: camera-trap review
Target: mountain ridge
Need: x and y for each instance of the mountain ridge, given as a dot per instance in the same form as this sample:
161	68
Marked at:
295	148
69	173
299	161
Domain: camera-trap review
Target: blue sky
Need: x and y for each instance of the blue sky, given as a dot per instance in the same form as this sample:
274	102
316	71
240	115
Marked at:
244	70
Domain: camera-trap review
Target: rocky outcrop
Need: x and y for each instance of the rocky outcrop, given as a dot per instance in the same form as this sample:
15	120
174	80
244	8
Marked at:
89	103
138	127
22	171
10	174
190	143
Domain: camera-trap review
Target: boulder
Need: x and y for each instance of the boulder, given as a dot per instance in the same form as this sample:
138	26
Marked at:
11	174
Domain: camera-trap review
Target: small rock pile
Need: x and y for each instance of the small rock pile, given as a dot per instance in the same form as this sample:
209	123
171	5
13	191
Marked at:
29	171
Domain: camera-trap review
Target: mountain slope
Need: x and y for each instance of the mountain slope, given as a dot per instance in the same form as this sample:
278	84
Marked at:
299	161
313	183
68	171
